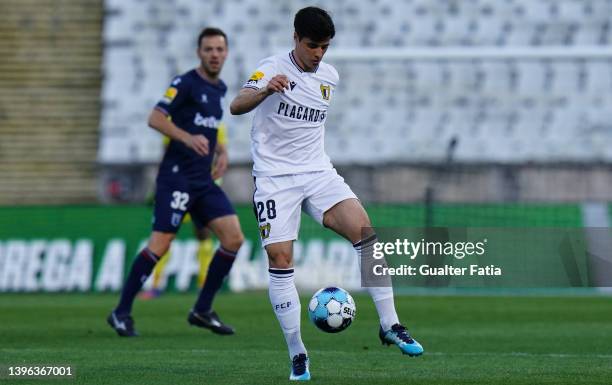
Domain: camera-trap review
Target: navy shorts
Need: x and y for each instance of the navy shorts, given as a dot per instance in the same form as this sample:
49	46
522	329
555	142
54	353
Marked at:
174	199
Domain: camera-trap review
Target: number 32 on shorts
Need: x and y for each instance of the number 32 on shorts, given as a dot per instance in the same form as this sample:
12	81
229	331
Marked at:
179	200
265	212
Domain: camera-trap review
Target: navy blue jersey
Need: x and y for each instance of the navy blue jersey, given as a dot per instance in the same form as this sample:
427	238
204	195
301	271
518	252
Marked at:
194	105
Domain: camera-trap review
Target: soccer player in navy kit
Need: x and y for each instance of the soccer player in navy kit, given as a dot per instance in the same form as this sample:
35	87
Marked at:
189	113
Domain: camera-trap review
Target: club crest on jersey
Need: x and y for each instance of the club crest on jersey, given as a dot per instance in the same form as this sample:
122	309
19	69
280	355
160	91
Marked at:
264	230
325	91
169	95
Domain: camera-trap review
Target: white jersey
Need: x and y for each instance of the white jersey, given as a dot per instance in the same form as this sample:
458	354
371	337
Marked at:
288	128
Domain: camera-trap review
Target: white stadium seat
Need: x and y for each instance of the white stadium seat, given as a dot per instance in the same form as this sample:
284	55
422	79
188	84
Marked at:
500	109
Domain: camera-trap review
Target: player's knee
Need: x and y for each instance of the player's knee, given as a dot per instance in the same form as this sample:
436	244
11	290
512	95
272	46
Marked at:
159	249
280	259
364	222
359	229
233	242
160	243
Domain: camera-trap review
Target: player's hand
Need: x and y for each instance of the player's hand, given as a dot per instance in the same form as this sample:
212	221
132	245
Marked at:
198	143
220	166
278	83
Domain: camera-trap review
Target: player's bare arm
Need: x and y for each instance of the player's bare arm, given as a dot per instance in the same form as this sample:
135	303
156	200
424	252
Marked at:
221	161
248	98
160	122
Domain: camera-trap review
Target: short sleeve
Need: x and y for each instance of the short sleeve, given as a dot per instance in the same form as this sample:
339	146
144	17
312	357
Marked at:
335	74
174	97
266	70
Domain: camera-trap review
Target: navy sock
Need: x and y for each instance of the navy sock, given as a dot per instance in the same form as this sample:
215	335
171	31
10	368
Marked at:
141	269
217	271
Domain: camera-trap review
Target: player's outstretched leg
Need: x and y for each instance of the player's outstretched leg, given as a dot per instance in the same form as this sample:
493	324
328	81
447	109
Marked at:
202	314
120	319
391	331
348	218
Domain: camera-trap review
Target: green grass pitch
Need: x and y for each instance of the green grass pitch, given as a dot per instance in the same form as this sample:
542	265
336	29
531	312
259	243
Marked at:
467	340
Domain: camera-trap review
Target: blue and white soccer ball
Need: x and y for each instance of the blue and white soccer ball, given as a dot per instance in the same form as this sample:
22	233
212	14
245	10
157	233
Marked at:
331	309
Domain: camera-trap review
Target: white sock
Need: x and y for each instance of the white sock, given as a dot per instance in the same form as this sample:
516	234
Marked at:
383	295
286	305
385	306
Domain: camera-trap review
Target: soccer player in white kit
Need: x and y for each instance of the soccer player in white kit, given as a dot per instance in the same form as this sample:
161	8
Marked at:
291	93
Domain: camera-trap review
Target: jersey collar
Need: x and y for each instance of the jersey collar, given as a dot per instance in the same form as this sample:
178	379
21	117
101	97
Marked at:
219	84
295	63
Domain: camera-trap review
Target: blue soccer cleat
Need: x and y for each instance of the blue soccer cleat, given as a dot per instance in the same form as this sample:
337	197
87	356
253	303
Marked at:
400	336
299	368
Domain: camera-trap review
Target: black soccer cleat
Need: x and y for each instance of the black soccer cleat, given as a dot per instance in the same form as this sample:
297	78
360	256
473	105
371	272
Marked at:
210	321
123	325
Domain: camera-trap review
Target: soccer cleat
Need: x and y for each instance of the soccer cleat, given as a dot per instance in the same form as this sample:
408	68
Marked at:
400	336
123	325
210	321
299	368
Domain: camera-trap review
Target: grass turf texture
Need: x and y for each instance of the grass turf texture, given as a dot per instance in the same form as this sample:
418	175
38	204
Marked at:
467	340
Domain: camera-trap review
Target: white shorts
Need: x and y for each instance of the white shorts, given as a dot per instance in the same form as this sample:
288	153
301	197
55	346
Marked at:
279	200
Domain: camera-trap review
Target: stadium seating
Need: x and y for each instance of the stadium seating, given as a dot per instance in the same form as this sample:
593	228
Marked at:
49	100
501	109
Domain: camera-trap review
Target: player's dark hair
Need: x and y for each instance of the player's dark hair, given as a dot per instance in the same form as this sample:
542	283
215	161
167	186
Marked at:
314	23
212	32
